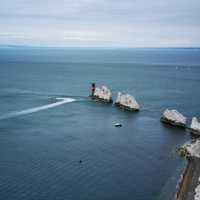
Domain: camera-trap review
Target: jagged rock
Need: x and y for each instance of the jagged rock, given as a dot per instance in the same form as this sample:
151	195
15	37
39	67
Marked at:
103	94
195	126
127	102
182	151
173	117
192	149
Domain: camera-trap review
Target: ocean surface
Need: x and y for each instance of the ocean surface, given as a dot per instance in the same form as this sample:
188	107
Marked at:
48	123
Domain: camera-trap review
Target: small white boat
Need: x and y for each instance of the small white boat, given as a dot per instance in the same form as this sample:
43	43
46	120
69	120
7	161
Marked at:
174	118
118	125
127	102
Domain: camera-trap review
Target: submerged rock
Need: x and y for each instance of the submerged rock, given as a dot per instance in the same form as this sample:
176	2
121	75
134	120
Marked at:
173	117
103	94
127	102
195	126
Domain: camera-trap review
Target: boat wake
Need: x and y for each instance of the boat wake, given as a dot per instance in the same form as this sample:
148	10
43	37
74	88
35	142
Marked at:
61	101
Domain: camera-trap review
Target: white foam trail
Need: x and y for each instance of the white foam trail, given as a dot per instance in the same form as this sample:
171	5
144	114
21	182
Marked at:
37	109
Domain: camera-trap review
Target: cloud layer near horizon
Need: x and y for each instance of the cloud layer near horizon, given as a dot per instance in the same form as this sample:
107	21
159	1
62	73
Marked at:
107	23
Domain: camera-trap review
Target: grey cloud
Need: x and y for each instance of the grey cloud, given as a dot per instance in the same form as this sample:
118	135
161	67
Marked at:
127	22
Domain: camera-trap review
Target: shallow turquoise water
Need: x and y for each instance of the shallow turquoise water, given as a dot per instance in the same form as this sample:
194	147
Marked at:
40	151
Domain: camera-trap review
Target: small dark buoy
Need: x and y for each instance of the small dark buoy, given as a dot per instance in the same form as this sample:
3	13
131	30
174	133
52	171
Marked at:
80	161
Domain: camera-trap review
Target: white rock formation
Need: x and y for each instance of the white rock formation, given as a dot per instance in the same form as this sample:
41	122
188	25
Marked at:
193	149
103	93
195	125
174	116
127	101
197	193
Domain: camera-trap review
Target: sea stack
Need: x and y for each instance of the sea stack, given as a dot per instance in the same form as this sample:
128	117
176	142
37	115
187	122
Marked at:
127	102
189	183
102	94
192	149
195	126
174	118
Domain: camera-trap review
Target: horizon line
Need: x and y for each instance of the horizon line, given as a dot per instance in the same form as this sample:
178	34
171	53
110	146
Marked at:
98	47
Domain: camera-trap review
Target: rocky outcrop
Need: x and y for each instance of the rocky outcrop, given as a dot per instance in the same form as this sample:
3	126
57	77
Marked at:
103	94
174	118
195	126
127	102
189	185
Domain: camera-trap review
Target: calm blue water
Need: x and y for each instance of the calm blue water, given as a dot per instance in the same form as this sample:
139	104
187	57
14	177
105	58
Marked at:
40	151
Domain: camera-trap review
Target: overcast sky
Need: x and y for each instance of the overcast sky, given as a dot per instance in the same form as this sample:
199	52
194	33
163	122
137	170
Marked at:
107	23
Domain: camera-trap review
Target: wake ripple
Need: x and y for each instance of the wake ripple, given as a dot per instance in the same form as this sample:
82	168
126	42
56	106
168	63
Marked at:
37	109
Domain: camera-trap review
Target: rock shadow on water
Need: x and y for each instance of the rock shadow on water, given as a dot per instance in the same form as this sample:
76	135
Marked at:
174	129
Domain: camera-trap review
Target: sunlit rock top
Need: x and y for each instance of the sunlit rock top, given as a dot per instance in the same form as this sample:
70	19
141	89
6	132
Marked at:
127	100
195	125
174	116
103	93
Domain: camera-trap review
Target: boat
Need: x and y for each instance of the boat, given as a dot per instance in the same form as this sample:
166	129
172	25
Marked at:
127	102
103	94
118	125
173	117
195	126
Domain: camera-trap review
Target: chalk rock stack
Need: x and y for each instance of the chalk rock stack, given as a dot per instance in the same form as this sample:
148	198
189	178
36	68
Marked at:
173	117
195	126
103	94
192	149
127	102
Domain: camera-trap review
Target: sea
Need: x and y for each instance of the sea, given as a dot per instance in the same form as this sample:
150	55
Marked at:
58	144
